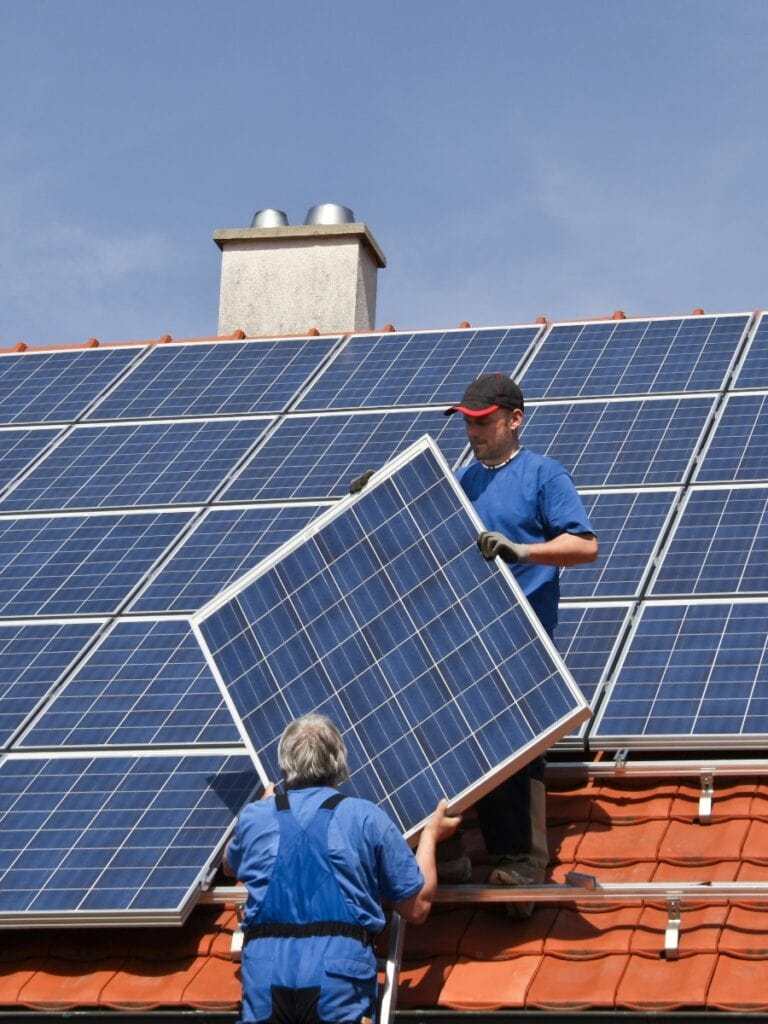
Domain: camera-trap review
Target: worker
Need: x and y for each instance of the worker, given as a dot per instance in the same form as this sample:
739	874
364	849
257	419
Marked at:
317	866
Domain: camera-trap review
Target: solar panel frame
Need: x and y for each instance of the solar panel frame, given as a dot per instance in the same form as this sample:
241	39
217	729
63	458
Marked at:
415	368
674	683
359	693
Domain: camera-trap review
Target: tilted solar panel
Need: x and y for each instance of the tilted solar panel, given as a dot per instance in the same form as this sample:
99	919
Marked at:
58	387
419	368
385	616
220	378
19	447
605	358
693	675
113	838
223	545
753	372
315	457
738	449
135	465
145	684
626	443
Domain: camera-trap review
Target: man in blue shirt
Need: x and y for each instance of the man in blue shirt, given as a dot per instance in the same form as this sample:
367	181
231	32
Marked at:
535	521
317	866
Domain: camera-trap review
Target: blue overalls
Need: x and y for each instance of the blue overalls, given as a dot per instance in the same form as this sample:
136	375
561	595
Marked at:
305	958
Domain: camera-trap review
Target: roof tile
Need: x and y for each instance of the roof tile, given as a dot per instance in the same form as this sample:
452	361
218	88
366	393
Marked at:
557	986
656	983
739	985
490	984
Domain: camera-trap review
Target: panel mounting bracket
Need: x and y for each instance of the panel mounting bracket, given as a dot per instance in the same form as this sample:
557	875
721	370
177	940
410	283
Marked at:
705	797
672	933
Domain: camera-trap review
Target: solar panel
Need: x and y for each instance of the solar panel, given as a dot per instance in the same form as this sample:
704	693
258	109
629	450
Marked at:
223	377
628	443
316	457
113	838
587	637
78	564
634	357
693	674
224	545
719	545
753	372
34	656
629	525
385	616
19	447
49	387
145	684
419	368
135	465
738	449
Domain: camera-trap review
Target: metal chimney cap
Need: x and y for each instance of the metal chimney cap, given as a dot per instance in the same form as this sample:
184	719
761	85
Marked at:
269	218
329	213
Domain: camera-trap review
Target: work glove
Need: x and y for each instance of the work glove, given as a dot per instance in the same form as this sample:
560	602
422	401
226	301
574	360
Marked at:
493	544
360	481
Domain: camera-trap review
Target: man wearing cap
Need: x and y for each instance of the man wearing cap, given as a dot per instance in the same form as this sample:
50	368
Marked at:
536	522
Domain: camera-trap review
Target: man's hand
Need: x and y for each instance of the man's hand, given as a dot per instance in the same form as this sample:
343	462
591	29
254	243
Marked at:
441	825
360	481
493	544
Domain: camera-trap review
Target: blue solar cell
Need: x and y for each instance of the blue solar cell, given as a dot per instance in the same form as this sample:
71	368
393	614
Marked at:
224	377
754	370
628	525
421	368
586	636
384	611
146	683
634	357
223	546
79	565
85	838
34	657
719	545
47	387
738	450
141	464
18	448
692	674
316	457
628	443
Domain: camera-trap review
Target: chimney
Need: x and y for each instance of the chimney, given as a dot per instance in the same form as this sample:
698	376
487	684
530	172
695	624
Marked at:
278	278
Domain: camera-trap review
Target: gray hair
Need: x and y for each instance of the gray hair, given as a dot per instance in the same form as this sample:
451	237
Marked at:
312	752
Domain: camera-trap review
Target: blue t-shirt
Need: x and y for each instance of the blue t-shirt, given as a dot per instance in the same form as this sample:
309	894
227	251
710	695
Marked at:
530	499
371	859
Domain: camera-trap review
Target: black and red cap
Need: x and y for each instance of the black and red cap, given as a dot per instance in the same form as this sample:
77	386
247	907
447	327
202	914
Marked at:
488	393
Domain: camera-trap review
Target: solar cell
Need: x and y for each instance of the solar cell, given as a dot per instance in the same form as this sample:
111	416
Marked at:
145	684
634	357
79	564
384	615
692	675
48	387
419	368
223	377
628	525
34	656
20	447
113	838
719	545
135	465
753	372
224	545
738	449
316	457
627	443
587	636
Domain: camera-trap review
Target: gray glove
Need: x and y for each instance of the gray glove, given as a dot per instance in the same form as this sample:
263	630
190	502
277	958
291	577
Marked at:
496	544
360	481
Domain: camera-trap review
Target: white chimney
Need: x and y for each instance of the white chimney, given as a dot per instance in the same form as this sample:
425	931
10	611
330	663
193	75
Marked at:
282	279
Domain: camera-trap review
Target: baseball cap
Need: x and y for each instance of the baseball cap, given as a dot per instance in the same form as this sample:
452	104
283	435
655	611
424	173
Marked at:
488	393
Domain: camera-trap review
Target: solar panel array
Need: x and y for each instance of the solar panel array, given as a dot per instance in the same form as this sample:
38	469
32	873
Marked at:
138	482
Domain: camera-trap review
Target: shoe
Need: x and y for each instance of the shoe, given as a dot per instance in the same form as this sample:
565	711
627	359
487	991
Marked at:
515	871
456	871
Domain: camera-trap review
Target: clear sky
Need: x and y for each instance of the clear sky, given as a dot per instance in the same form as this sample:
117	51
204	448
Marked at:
513	158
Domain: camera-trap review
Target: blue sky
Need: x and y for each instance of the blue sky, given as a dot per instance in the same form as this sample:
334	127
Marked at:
513	158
